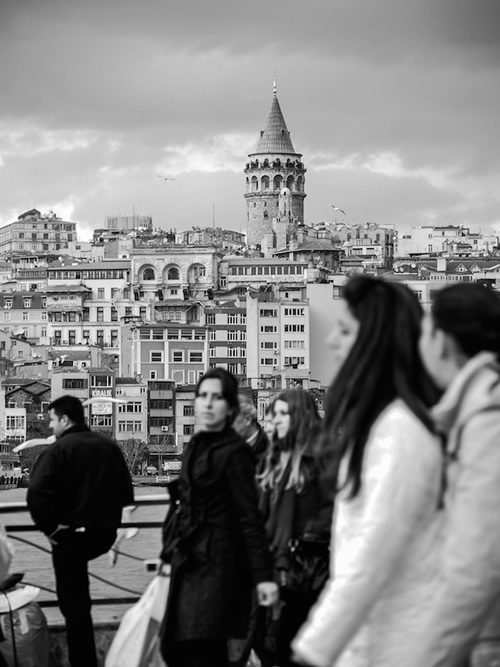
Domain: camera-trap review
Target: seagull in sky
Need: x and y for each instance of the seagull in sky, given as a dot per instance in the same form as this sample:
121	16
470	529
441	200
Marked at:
166	178
336	208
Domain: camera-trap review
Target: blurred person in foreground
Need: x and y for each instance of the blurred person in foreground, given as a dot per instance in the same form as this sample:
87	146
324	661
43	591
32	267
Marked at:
385	465
218	548
460	346
77	491
298	514
247	426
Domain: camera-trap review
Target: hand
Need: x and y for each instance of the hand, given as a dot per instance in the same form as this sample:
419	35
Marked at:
267	593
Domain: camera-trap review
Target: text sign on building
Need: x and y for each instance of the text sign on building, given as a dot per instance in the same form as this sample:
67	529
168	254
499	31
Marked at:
102	407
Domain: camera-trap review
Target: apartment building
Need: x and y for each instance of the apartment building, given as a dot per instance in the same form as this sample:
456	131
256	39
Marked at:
87	302
36	233
451	239
164	351
24	314
227	336
132	414
278	336
255	271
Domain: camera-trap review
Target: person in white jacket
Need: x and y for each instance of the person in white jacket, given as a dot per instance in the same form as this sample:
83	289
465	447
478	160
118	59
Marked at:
386	466
460	346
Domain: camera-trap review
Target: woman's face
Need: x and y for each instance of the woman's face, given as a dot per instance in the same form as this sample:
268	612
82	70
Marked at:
343	335
211	408
281	418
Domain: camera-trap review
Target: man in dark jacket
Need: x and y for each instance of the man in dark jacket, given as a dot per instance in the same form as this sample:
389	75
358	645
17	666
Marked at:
77	491
247	426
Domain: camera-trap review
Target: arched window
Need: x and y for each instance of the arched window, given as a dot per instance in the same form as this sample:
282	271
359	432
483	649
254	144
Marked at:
264	184
277	182
289	182
300	184
255	184
173	273
148	274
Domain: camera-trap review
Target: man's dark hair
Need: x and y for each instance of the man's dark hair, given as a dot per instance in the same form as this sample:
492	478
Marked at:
71	406
469	313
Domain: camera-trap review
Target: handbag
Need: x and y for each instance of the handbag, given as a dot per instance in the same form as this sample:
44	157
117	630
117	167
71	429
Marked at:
309	566
136	641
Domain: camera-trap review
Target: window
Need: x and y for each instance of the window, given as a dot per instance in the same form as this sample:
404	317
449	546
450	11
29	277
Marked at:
232	319
86	334
8	303
71	337
188	429
114	314
100	292
156	357
26	316
100	337
131	406
100	314
6	317
152	375
129	426
27	303
160	404
188	411
210	318
173	273
142	314
75	383
101	381
196	357
101	421
177	356
232	335
148	274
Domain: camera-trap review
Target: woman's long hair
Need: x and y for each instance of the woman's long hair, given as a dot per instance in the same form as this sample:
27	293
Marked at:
382	365
287	453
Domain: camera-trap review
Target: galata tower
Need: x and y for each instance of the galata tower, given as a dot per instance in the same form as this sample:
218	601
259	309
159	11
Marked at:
274	165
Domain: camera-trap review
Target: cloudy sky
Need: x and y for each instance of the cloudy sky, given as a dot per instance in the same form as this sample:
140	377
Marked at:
394	105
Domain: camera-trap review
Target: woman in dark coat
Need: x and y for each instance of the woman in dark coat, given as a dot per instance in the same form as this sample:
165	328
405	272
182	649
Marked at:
299	515
218	549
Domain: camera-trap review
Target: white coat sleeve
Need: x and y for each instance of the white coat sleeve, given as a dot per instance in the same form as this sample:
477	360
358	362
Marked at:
470	567
398	475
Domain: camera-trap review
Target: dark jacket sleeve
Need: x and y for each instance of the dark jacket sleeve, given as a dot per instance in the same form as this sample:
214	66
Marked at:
239	471
126	487
44	490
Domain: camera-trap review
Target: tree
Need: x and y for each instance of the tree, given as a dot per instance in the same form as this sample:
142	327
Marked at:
134	452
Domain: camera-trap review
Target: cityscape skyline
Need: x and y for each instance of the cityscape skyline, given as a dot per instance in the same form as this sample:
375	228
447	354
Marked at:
392	107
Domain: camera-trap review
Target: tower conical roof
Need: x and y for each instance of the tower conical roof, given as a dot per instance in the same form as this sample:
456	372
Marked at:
276	137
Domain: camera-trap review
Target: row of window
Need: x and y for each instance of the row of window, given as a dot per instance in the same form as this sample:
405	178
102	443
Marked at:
86	274
154	333
267	270
25	316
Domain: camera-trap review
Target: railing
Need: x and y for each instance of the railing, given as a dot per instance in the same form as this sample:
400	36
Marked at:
14	531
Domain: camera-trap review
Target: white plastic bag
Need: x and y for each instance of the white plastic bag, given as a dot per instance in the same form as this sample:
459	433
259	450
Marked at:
135	642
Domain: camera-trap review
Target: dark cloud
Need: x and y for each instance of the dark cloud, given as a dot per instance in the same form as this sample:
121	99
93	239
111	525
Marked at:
419	80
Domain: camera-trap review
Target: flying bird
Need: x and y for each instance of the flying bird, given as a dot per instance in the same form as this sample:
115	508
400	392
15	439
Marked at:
336	208
165	178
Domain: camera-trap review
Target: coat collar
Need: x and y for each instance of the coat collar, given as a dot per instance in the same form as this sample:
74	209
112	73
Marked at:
475	387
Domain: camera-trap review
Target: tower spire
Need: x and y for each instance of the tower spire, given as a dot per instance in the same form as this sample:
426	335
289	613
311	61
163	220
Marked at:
275	86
